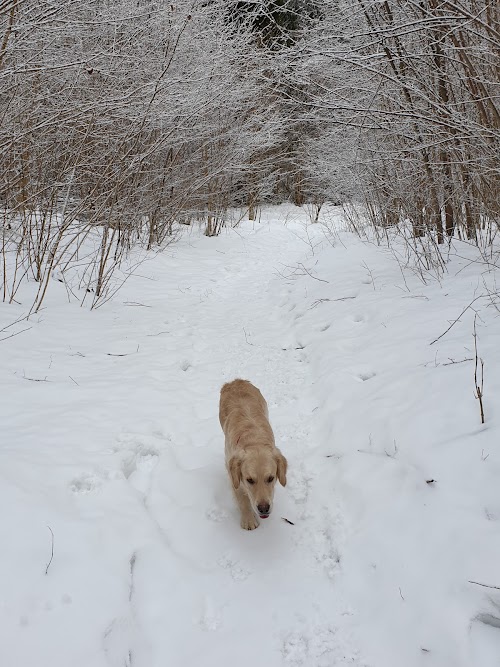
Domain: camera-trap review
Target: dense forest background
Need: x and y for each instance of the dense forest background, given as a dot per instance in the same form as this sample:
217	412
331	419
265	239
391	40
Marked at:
121	119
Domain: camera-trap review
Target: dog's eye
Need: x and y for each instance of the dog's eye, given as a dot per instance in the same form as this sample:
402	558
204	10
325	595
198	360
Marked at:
250	480
270	479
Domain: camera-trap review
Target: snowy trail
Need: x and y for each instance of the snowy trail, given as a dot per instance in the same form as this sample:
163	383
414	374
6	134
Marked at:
150	565
243	583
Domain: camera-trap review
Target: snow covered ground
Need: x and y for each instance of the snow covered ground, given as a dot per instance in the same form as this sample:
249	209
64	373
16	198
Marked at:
119	451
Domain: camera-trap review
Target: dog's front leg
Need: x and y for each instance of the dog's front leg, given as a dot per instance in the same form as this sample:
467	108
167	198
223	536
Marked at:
248	519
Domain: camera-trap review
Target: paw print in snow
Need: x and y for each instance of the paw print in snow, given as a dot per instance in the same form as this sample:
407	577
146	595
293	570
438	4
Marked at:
237	571
216	514
323	647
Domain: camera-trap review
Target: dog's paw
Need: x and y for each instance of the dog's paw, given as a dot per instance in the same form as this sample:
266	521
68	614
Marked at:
249	522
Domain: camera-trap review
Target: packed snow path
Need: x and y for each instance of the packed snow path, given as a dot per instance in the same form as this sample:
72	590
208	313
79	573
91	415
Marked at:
119	451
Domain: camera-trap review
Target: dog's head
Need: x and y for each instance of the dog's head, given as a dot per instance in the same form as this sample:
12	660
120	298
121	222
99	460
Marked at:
256	471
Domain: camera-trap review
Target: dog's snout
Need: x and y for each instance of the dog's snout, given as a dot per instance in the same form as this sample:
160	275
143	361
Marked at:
263	508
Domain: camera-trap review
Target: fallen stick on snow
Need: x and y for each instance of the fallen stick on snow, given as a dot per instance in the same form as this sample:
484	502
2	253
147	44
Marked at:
51	551
25	377
497	588
110	354
15	334
342	298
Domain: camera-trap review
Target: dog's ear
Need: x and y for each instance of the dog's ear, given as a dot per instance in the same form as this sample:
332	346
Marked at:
234	467
282	464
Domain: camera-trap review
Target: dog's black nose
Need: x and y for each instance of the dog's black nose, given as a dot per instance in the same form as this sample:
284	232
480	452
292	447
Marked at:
263	508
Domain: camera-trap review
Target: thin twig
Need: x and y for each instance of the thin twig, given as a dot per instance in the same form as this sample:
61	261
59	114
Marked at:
342	298
51	550
246	338
110	354
455	321
73	380
365	265
476	583
24	317
288	521
132	562
300	270
136	303
308	272
452	361
479	388
15	334
25	377
416	296
138	275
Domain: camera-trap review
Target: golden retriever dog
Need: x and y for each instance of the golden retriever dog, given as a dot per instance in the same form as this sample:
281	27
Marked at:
253	461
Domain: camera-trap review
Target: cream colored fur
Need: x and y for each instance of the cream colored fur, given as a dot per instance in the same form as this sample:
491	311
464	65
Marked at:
253	461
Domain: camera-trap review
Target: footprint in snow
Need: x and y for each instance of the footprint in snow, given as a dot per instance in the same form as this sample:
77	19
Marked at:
86	483
235	569
295	649
48	606
161	435
143	459
299	485
117	642
322	648
216	514
210	618
139	467
324	537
